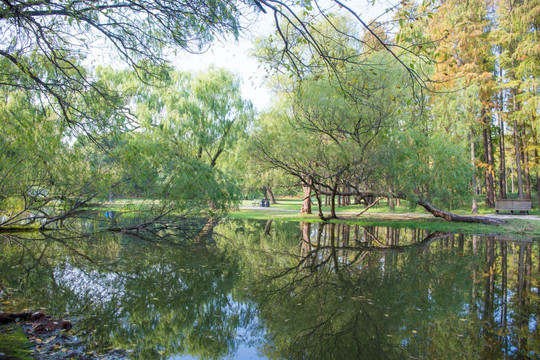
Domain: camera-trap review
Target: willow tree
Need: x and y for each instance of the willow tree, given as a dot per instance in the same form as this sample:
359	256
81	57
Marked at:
332	134
44	180
187	125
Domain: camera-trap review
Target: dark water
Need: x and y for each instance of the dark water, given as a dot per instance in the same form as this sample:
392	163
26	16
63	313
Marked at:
262	290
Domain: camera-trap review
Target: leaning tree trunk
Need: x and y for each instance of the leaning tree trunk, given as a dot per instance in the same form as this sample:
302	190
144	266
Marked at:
268	227
319	203
206	232
460	218
270	194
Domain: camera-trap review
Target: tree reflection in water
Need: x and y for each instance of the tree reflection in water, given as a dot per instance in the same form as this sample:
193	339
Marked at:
384	293
283	290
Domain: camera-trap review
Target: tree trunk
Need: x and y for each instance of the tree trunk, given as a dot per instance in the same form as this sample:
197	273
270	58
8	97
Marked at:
333	205
306	239
512	174
502	152
537	180
319	203
390	199
207	231
270	195
525	164
518	160
453	217
268	227
306	203
488	150
474	185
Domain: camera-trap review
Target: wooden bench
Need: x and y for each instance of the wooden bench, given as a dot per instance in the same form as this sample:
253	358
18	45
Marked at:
513	205
255	202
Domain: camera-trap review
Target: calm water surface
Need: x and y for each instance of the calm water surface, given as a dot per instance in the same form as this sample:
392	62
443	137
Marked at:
283	290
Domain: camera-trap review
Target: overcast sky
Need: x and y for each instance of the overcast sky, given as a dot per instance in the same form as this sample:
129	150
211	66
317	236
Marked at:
235	55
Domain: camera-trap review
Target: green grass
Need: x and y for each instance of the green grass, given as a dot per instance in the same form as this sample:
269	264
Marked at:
14	343
404	208
514	227
382	215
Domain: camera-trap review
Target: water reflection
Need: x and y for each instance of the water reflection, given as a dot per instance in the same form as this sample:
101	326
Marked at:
281	290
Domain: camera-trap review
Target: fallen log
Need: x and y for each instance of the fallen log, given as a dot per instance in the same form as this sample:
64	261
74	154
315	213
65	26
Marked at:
460	218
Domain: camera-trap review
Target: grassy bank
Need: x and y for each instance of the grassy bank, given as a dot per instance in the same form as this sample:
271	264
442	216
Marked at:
403	208
515	227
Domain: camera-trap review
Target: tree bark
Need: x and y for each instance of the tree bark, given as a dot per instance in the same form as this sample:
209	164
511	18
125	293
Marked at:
460	218
537	180
474	185
268	227
488	150
319	204
270	195
306	203
333	205
518	160
390	200
369	206
512	174
525	164
502	151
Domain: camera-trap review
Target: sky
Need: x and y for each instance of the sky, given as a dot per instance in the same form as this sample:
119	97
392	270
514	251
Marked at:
235	55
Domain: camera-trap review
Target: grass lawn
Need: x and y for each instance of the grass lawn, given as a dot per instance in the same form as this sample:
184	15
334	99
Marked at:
397	218
404	208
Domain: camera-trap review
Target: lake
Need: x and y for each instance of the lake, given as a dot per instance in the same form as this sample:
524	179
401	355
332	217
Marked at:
248	289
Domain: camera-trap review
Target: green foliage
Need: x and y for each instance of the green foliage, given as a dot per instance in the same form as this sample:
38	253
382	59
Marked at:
173	159
14	344
48	40
428	166
154	170
40	169
188	124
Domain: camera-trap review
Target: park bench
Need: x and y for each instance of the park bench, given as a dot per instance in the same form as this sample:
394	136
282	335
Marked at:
513	205
261	203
